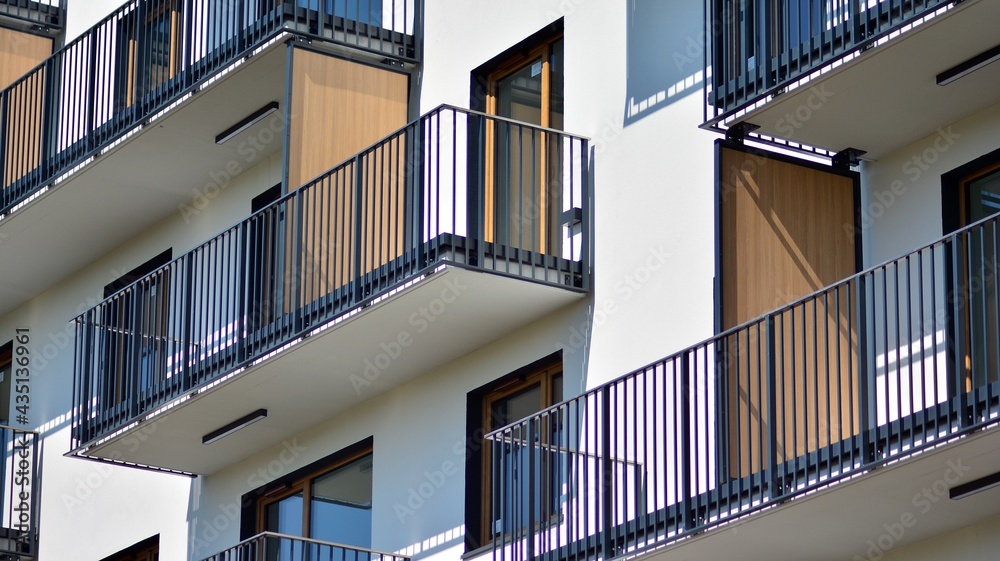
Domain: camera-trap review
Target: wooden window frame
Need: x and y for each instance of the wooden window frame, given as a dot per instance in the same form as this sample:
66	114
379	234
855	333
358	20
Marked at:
511	64
302	482
136	81
546	372
122	325
955	207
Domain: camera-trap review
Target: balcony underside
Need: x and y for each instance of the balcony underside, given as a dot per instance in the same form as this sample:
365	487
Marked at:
837	523
134	185
45	18
447	314
888	97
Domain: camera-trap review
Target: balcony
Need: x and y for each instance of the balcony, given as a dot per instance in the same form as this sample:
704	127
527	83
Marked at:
83	135
269	545
830	75
871	404
42	15
19	493
450	233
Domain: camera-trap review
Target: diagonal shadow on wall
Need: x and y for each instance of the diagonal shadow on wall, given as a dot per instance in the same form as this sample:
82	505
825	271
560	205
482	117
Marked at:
665	51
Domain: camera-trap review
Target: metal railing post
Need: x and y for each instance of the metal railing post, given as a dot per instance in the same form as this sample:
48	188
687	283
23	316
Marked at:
5	195
532	443
187	315
607	477
687	497
357	276
775	483
866	384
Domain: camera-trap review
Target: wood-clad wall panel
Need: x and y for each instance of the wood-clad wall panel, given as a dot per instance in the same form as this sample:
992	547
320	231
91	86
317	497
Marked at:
787	230
338	108
19	53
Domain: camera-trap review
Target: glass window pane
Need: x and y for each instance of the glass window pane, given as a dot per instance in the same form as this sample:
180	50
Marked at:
364	11
519	95
557	86
515	406
341	509
984	201
984	195
285	516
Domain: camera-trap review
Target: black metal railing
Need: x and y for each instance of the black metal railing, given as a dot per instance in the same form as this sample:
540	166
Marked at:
147	55
47	14
760	46
19	491
454	186
268	545
893	360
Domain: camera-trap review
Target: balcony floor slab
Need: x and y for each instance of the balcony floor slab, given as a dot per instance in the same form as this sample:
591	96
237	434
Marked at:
888	98
891	507
446	315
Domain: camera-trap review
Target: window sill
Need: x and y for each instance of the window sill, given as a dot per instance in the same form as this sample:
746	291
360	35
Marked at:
478	552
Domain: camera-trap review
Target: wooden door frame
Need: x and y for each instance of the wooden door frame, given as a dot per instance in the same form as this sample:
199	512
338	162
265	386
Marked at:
514	63
955	203
544	376
304	483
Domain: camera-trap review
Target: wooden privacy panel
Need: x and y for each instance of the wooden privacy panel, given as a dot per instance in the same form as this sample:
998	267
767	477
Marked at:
786	230
24	119
338	108
352	220
19	53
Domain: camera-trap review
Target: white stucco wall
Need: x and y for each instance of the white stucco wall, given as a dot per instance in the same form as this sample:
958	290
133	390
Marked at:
898	221
978	542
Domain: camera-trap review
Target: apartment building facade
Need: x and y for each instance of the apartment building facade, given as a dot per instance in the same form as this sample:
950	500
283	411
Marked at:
561	279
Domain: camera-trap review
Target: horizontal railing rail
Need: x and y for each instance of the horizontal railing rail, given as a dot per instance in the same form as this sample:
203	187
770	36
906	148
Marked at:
454	186
893	360
269	545
758	47
19	490
48	14
146	56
